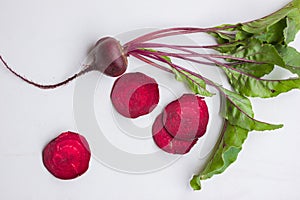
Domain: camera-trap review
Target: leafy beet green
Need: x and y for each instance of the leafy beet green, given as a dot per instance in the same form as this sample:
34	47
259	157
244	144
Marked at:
290	12
226	151
266	56
196	85
291	58
256	87
238	111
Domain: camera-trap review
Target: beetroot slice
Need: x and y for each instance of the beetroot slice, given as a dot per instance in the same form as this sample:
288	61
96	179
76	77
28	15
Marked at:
67	156
135	94
187	117
166	142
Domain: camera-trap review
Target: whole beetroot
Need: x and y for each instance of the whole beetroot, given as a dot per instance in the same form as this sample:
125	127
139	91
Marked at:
67	156
187	117
135	94
109	57
167	142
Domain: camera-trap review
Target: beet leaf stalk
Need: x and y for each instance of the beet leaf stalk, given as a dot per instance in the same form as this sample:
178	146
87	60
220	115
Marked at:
245	52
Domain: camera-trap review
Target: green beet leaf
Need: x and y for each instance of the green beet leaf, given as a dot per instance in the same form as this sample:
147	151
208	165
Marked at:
261	25
238	111
273	34
229	48
291	57
264	55
257	51
225	153
257	70
256	87
196	84
293	24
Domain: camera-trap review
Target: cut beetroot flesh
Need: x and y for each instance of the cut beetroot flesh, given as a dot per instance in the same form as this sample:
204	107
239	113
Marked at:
166	142
135	94
187	117
67	156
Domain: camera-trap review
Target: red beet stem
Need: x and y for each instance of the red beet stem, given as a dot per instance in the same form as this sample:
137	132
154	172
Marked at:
190	53
140	57
180	69
41	85
159	53
172	32
178	47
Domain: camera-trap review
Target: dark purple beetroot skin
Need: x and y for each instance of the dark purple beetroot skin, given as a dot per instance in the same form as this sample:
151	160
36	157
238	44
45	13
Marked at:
67	156
168	143
109	57
187	117
135	94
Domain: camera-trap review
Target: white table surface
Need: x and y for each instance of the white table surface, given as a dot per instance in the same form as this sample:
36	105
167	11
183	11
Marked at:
47	40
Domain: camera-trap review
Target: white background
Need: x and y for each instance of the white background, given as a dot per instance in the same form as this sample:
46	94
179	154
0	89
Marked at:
47	40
